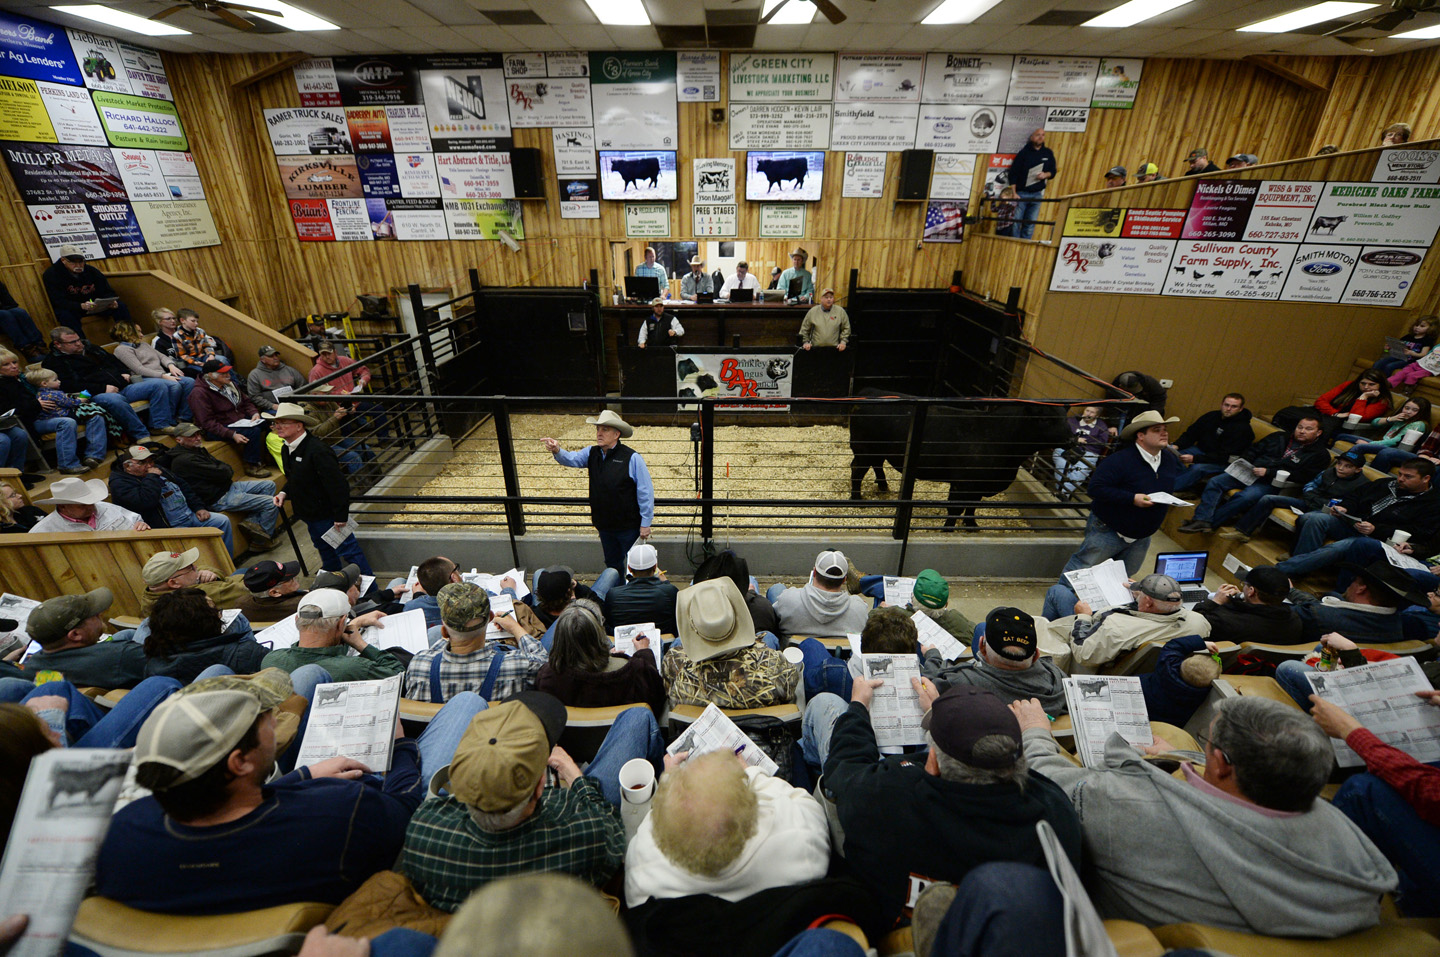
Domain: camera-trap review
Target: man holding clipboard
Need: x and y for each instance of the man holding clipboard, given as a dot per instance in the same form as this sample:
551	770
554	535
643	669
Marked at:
1032	167
78	290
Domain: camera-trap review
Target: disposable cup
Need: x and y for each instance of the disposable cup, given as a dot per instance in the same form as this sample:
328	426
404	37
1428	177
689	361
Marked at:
1281	477
1400	537
637	780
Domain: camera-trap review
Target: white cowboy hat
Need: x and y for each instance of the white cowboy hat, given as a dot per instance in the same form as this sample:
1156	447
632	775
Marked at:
712	619
614	421
696	261
1145	420
292	412
73	490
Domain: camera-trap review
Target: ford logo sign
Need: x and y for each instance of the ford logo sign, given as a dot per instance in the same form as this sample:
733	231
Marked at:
1390	257
691	90
944	127
1321	269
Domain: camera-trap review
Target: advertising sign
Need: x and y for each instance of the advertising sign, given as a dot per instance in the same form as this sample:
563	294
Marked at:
715	220
964	128
72	113
100	62
1282	210
307	129
734	376
140	170
369	128
1407	166
482	219
1376	214
316	82
633	100
182	224
417	176
1052	81
890	126
1066	119
366	80
644	220
313	177
312	221
140	121
475	175
37	50
146	72
1089	222
417	219
951	175
1383	276
1153	223
1123	265
378	176
1220	209
44	174
574	151
409	130
1319	273
714	180
1229	270
697	76
1117	84
879	77
549	102
864	175
781	77
966	78
762	126
22	113
118	229
465	105
1016	125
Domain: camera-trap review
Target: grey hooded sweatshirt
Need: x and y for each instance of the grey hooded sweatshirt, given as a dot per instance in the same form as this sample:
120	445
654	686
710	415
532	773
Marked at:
1165	851
811	611
1041	680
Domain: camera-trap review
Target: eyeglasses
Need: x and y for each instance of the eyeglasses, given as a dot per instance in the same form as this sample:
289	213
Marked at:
1207	744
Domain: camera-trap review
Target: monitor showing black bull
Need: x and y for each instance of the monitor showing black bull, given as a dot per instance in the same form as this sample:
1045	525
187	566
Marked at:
976	449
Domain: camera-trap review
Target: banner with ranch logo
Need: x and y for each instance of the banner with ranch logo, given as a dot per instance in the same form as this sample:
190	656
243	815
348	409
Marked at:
966	78
1121	265
1117	84
632	96
879	77
140	121
734	376
781	77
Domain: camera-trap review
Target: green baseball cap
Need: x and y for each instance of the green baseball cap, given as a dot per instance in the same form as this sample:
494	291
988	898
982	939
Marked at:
54	619
931	590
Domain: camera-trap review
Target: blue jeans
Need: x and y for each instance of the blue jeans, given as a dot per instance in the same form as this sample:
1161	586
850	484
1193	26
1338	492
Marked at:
1390	365
816	724
118	406
1262	508
1027	210
1069	475
14	690
1290	675
1213	512
19	327
1196	473
352	453
608	579
615	545
66	432
774	592
1004	909
163	396
14	447
334	559
252	497
1411	845
821	942
254	451
178	515
438	741
1388	458
635	734
88	725
1314	528
1101	543
823	671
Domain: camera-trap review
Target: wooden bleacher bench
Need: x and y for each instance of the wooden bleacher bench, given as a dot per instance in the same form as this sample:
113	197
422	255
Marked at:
111	929
1393	939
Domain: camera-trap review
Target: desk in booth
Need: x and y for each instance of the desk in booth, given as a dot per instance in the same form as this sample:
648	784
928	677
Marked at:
652	371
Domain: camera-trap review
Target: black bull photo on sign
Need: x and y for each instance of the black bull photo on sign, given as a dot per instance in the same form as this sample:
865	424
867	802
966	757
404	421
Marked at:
976	449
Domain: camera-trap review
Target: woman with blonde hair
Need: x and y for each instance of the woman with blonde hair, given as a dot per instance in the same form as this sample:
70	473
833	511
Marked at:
41	417
144	361
15	515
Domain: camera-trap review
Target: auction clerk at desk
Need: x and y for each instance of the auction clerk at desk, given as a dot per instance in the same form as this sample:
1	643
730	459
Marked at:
741	280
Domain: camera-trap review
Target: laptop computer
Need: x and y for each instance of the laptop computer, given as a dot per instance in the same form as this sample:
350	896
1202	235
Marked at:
742	295
643	288
701	297
1188	570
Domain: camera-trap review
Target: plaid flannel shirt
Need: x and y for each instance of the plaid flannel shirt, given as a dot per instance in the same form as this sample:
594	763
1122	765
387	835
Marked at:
573	831
467	672
753	677
193	349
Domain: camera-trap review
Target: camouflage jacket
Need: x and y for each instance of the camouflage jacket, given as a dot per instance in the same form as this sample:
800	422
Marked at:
753	677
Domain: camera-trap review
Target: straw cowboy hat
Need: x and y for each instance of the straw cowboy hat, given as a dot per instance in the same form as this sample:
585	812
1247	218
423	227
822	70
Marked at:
1144	421
76	491
292	412
712	619
614	421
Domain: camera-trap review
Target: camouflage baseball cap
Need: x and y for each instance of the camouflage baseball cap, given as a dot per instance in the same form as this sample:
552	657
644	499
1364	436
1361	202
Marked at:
54	619
462	603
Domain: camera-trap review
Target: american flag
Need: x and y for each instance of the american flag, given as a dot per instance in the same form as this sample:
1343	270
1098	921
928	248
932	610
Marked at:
945	222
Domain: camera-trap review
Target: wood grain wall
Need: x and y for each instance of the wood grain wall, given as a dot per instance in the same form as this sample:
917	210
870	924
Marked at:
1370	93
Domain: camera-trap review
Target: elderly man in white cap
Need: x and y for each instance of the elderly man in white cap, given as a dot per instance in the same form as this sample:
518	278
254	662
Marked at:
316	484
80	506
622	497
647	595
718	659
696	281
1122	514
655	321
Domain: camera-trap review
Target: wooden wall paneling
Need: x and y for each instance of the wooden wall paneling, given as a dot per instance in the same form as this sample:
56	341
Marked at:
1370	93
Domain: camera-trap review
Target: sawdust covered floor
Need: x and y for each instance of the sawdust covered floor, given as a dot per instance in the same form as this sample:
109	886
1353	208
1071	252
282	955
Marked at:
790	462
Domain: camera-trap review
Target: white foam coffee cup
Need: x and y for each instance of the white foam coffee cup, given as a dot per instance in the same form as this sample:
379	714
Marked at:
1281	477
1409	437
1400	537
1353	419
637	780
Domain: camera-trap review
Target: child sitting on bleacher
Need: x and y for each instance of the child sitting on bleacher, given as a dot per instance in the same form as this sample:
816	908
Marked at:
1414	416
1181	681
1417	345
46	386
47	389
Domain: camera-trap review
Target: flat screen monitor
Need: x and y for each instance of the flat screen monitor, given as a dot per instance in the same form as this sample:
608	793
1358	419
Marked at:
783	176
642	287
742	295
637	175
795	285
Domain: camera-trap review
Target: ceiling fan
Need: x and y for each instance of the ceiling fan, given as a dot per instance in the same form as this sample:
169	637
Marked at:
224	9
1400	11
832	13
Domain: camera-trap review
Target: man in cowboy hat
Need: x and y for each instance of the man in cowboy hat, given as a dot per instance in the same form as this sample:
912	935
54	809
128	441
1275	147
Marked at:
622	497
653	322
716	657
798	271
316	485
1122	515
696	281
69	629
1367	608
80	506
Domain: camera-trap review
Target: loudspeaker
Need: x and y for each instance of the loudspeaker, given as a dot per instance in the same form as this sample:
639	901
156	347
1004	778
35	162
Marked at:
915	173
525	171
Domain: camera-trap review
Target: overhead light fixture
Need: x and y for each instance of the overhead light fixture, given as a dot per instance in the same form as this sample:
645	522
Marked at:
1136	11
291	18
1424	33
620	13
1305	16
958	11
128	22
794	13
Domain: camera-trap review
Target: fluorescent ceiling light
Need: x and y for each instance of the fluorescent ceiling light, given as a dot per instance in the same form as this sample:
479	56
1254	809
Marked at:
958	11
1424	33
128	22
1129	14
292	18
794	12
1305	16
620	13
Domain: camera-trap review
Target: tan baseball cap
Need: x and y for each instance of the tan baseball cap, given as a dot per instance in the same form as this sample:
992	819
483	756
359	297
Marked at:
162	566
502	755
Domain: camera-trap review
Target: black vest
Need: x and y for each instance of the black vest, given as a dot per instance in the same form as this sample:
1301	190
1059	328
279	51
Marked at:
614	506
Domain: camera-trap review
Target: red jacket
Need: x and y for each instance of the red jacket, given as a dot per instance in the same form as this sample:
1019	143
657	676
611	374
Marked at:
1366	410
213	411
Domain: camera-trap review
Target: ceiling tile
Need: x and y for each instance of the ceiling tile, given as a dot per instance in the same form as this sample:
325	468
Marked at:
585	36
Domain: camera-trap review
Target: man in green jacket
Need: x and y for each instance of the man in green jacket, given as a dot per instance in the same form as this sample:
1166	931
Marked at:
327	634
